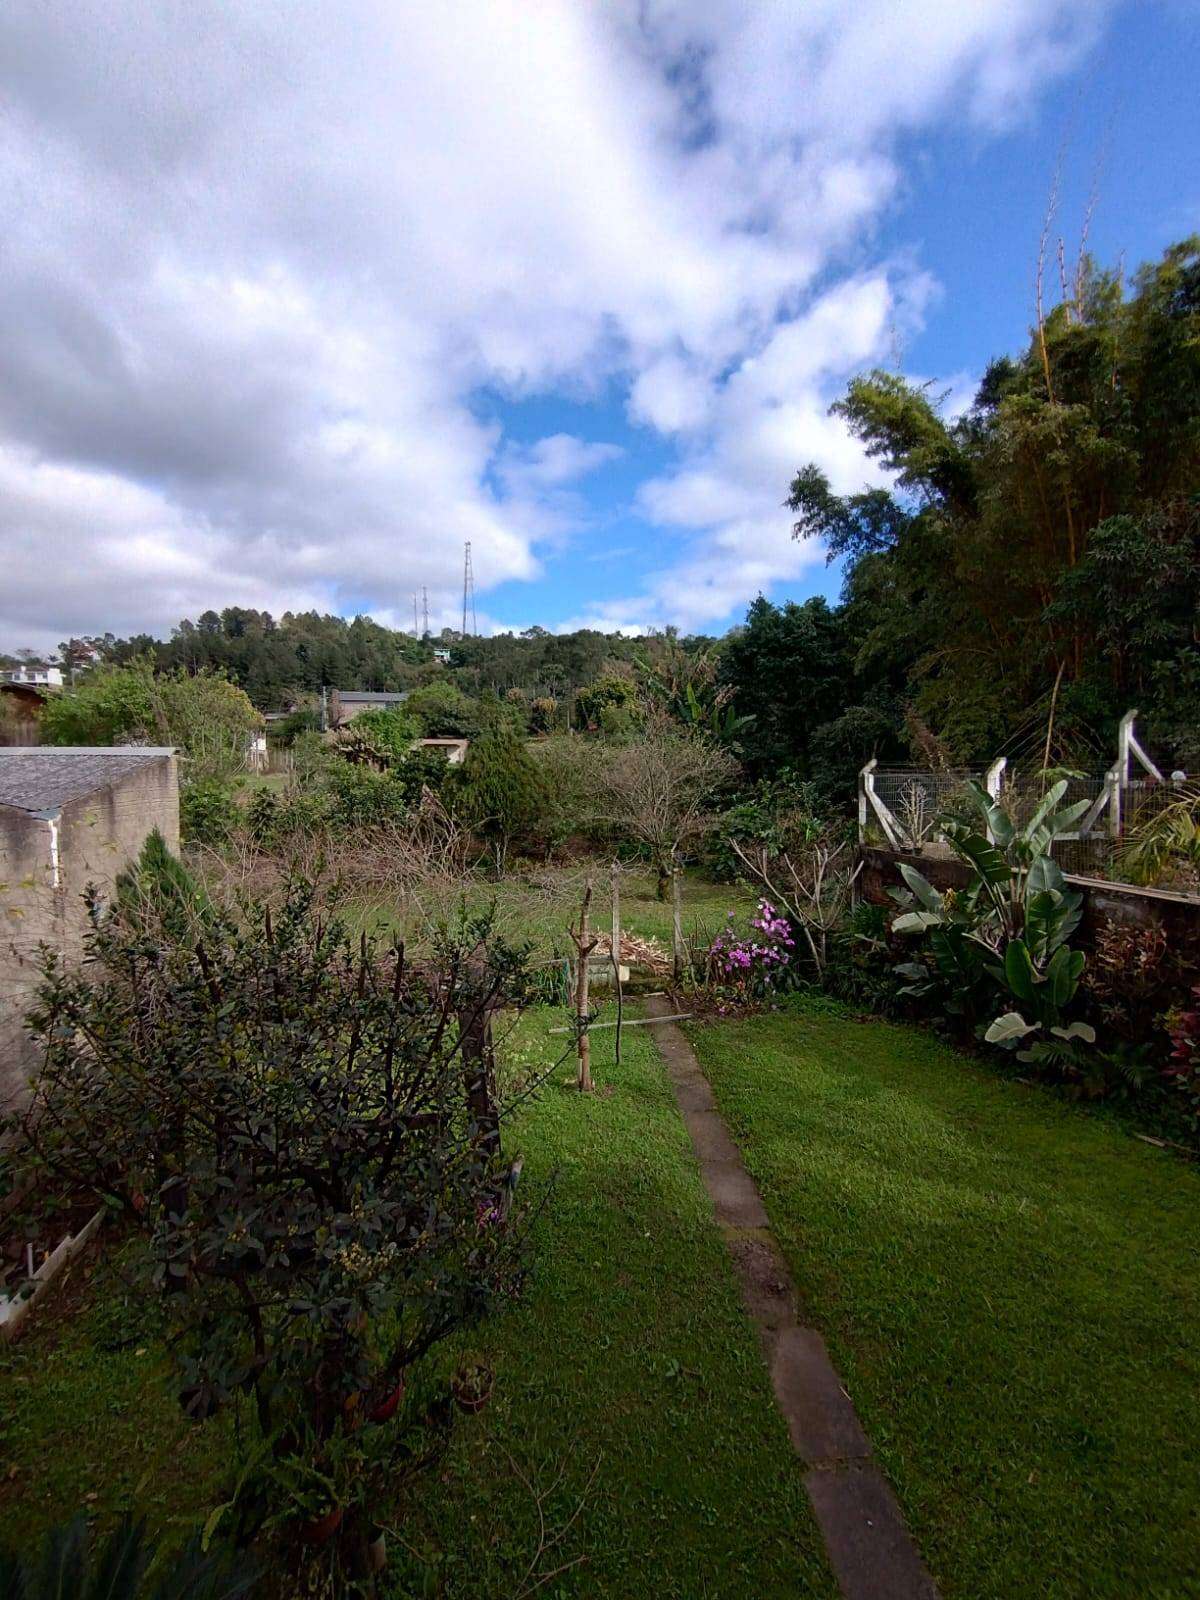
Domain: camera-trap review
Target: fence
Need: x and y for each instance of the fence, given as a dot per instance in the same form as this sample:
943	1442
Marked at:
899	808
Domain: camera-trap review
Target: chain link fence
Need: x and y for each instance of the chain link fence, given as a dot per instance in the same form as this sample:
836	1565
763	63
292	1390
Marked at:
900	809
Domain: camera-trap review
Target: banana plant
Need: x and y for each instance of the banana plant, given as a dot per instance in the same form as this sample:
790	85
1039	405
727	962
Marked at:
1011	925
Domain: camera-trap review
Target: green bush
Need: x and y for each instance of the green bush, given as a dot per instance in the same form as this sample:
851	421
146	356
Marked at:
127	1566
500	792
444	711
208	812
607	693
276	1110
422	769
203	714
389	730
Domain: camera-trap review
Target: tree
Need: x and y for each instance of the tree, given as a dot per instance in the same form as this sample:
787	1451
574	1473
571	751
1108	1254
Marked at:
1044	537
203	714
443	710
789	672
500	792
606	694
661	790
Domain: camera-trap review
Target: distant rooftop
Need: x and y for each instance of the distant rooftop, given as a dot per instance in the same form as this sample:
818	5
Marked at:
42	779
373	696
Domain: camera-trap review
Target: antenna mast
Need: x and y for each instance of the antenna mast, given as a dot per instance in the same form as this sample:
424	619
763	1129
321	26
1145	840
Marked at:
468	591
425	611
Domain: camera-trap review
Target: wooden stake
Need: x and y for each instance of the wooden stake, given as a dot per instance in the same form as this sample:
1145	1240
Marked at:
676	923
584	945
616	953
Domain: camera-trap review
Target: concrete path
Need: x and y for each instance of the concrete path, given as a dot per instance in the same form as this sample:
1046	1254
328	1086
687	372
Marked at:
869	1547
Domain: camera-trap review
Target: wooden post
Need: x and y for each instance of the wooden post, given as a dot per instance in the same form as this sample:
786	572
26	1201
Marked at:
676	923
584	945
615	947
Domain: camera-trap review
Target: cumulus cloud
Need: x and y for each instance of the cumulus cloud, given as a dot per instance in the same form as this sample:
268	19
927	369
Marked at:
260	261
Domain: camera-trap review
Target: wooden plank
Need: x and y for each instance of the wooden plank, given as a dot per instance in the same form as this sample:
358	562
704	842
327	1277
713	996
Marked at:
631	1022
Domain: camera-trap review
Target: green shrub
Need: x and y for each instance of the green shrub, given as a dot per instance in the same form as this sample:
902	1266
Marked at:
208	812
203	714
289	728
1005	937
607	693
361	797
421	769
125	1567
390	731
500	792
444	711
276	1110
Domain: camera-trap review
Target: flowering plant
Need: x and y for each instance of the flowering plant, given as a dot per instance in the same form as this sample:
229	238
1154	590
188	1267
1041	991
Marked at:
756	963
1183	1067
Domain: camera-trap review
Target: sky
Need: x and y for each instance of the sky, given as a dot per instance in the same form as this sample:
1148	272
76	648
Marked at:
298	296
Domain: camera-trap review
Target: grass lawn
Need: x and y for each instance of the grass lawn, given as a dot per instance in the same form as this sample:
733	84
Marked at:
1010	1289
536	905
628	1379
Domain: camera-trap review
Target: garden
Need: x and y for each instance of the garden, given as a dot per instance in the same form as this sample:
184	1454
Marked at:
378	1124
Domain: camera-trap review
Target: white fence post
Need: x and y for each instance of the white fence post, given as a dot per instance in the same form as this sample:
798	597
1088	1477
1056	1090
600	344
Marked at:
862	800
892	830
992	780
1115	790
1128	745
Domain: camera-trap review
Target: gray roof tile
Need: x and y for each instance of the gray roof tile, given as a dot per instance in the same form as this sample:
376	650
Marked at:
42	779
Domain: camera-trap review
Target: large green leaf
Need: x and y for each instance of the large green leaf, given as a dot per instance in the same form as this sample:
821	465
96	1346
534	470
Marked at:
957	959
1011	1025
1000	824
1063	973
916	922
926	894
1045	873
1045	920
983	855
1045	806
1018	970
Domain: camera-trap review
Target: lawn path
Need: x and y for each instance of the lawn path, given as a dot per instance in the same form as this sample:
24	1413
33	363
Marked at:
868	1544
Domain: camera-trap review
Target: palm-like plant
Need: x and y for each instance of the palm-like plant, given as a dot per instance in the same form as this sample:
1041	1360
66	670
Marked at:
1011	925
1164	844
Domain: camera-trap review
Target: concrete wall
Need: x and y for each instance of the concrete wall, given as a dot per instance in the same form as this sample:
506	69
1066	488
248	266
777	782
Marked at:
96	838
30	911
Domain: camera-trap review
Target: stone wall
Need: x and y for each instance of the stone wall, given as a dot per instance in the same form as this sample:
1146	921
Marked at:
96	837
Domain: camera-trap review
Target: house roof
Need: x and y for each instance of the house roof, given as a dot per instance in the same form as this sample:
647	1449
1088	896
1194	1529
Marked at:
42	779
372	696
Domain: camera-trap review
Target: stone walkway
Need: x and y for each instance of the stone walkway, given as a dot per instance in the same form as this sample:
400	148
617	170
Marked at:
869	1547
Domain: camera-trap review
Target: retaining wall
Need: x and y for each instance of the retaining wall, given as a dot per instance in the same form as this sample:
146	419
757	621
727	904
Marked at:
1104	903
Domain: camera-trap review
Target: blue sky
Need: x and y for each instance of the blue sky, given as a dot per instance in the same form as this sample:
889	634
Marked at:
298	302
1123	127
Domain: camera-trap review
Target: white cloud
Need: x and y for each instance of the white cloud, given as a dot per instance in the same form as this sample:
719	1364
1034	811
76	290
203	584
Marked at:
259	260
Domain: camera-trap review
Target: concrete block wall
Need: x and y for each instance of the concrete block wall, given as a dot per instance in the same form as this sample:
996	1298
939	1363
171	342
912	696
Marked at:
30	912
96	838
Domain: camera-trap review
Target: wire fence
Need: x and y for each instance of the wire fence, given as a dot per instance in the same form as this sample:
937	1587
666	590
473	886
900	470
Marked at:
912	804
